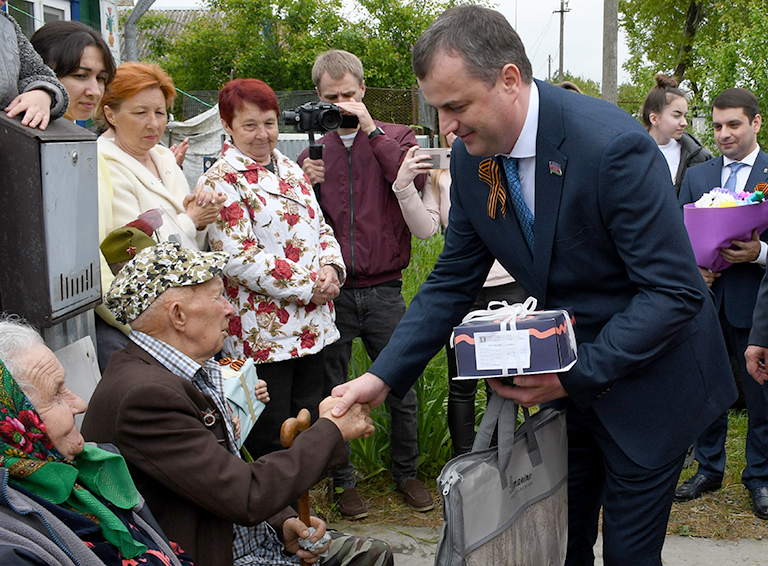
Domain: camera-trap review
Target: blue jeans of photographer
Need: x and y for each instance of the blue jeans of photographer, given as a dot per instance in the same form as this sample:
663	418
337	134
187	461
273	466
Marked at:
373	313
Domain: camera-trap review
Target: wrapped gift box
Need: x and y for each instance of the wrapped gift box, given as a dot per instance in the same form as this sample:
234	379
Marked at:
240	382
506	342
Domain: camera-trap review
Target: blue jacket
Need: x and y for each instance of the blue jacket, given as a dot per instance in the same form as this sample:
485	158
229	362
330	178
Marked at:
609	243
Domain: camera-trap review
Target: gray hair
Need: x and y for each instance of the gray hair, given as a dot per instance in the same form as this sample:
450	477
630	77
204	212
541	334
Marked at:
151	318
480	36
337	63
16	336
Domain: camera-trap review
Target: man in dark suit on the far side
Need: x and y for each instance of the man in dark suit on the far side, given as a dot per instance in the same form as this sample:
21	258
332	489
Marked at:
575	200
736	121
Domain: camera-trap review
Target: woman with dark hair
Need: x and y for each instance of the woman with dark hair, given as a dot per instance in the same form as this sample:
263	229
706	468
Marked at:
286	265
664	115
81	60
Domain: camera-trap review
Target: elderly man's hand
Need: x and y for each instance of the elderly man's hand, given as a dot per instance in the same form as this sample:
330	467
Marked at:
293	529
354	423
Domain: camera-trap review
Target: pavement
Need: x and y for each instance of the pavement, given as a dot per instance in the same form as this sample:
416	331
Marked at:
416	546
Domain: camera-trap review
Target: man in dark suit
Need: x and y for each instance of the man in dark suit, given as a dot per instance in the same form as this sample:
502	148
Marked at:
607	241
743	165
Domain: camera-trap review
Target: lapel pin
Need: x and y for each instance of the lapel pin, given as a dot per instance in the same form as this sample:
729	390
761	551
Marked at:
765	170
555	169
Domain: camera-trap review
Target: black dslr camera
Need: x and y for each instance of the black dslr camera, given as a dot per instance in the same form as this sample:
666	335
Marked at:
313	117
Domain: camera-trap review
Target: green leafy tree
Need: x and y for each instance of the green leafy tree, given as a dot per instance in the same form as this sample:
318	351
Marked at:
277	40
708	45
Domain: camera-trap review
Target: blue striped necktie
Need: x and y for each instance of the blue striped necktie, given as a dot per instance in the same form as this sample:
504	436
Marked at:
524	214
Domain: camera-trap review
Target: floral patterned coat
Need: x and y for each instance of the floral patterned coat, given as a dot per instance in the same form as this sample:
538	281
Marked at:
274	229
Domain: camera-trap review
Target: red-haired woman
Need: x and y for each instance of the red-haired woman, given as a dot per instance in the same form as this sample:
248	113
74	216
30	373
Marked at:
144	174
286	266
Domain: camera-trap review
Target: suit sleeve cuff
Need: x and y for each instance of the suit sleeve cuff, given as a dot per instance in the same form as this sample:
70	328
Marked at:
761	259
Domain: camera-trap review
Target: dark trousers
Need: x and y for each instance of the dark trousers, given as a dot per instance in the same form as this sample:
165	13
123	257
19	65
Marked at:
293	385
461	392
636	501
710	446
373	313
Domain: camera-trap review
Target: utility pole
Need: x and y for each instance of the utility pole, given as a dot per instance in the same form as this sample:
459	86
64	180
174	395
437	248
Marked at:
549	68
610	47
563	9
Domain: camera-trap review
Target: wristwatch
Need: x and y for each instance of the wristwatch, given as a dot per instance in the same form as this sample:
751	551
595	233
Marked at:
375	133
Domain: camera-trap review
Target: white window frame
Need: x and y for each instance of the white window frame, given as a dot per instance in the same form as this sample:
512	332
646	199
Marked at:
62	5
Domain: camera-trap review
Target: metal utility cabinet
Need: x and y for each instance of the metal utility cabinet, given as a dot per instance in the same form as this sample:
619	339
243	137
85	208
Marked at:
49	234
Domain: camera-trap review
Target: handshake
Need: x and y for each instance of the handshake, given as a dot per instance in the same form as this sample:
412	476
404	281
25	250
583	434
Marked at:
355	423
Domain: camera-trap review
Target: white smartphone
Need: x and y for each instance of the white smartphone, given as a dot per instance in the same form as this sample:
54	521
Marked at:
441	156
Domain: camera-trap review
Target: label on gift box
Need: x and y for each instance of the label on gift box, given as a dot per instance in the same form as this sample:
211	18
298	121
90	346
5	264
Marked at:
506	340
502	350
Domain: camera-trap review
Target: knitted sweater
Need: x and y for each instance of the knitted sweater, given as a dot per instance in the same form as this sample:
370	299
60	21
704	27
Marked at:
22	69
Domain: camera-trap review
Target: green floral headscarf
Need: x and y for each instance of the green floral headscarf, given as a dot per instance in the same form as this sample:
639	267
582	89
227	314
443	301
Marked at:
34	463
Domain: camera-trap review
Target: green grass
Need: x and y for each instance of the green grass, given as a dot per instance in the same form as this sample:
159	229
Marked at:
371	455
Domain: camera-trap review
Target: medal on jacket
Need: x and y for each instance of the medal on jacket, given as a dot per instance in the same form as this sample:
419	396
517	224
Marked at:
209	417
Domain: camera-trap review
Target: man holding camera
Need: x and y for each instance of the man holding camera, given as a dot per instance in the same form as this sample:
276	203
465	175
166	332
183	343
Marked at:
356	173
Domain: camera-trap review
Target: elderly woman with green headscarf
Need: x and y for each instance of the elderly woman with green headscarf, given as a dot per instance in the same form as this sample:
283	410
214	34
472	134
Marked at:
62	502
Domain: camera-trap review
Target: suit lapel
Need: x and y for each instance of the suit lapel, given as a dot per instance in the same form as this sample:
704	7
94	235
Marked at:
714	175
551	172
759	173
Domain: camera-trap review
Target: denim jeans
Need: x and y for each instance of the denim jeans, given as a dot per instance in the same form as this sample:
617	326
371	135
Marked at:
373	313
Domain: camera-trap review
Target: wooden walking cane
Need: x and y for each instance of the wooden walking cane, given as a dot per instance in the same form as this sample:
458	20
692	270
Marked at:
288	432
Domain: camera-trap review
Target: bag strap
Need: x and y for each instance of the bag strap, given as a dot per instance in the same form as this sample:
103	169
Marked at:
503	412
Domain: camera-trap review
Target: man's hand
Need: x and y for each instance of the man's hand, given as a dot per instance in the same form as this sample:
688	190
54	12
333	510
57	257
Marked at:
756	356
315	170
358	109
36	105
748	251
326	286
293	529
709	275
367	388
531	389
353	423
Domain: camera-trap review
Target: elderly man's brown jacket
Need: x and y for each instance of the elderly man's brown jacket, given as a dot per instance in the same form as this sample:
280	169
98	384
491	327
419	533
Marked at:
194	485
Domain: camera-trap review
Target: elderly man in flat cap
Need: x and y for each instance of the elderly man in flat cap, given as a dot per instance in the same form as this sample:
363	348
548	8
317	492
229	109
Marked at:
160	401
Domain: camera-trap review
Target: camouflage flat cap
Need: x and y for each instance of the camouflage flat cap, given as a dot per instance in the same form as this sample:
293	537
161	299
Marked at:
155	270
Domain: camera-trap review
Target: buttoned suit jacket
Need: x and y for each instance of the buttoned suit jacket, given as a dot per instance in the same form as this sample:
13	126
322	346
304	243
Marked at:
735	291
609	243
195	486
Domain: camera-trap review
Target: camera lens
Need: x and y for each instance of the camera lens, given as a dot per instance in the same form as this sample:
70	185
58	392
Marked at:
329	119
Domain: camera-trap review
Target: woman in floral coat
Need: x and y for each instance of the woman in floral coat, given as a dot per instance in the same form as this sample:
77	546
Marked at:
286	265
